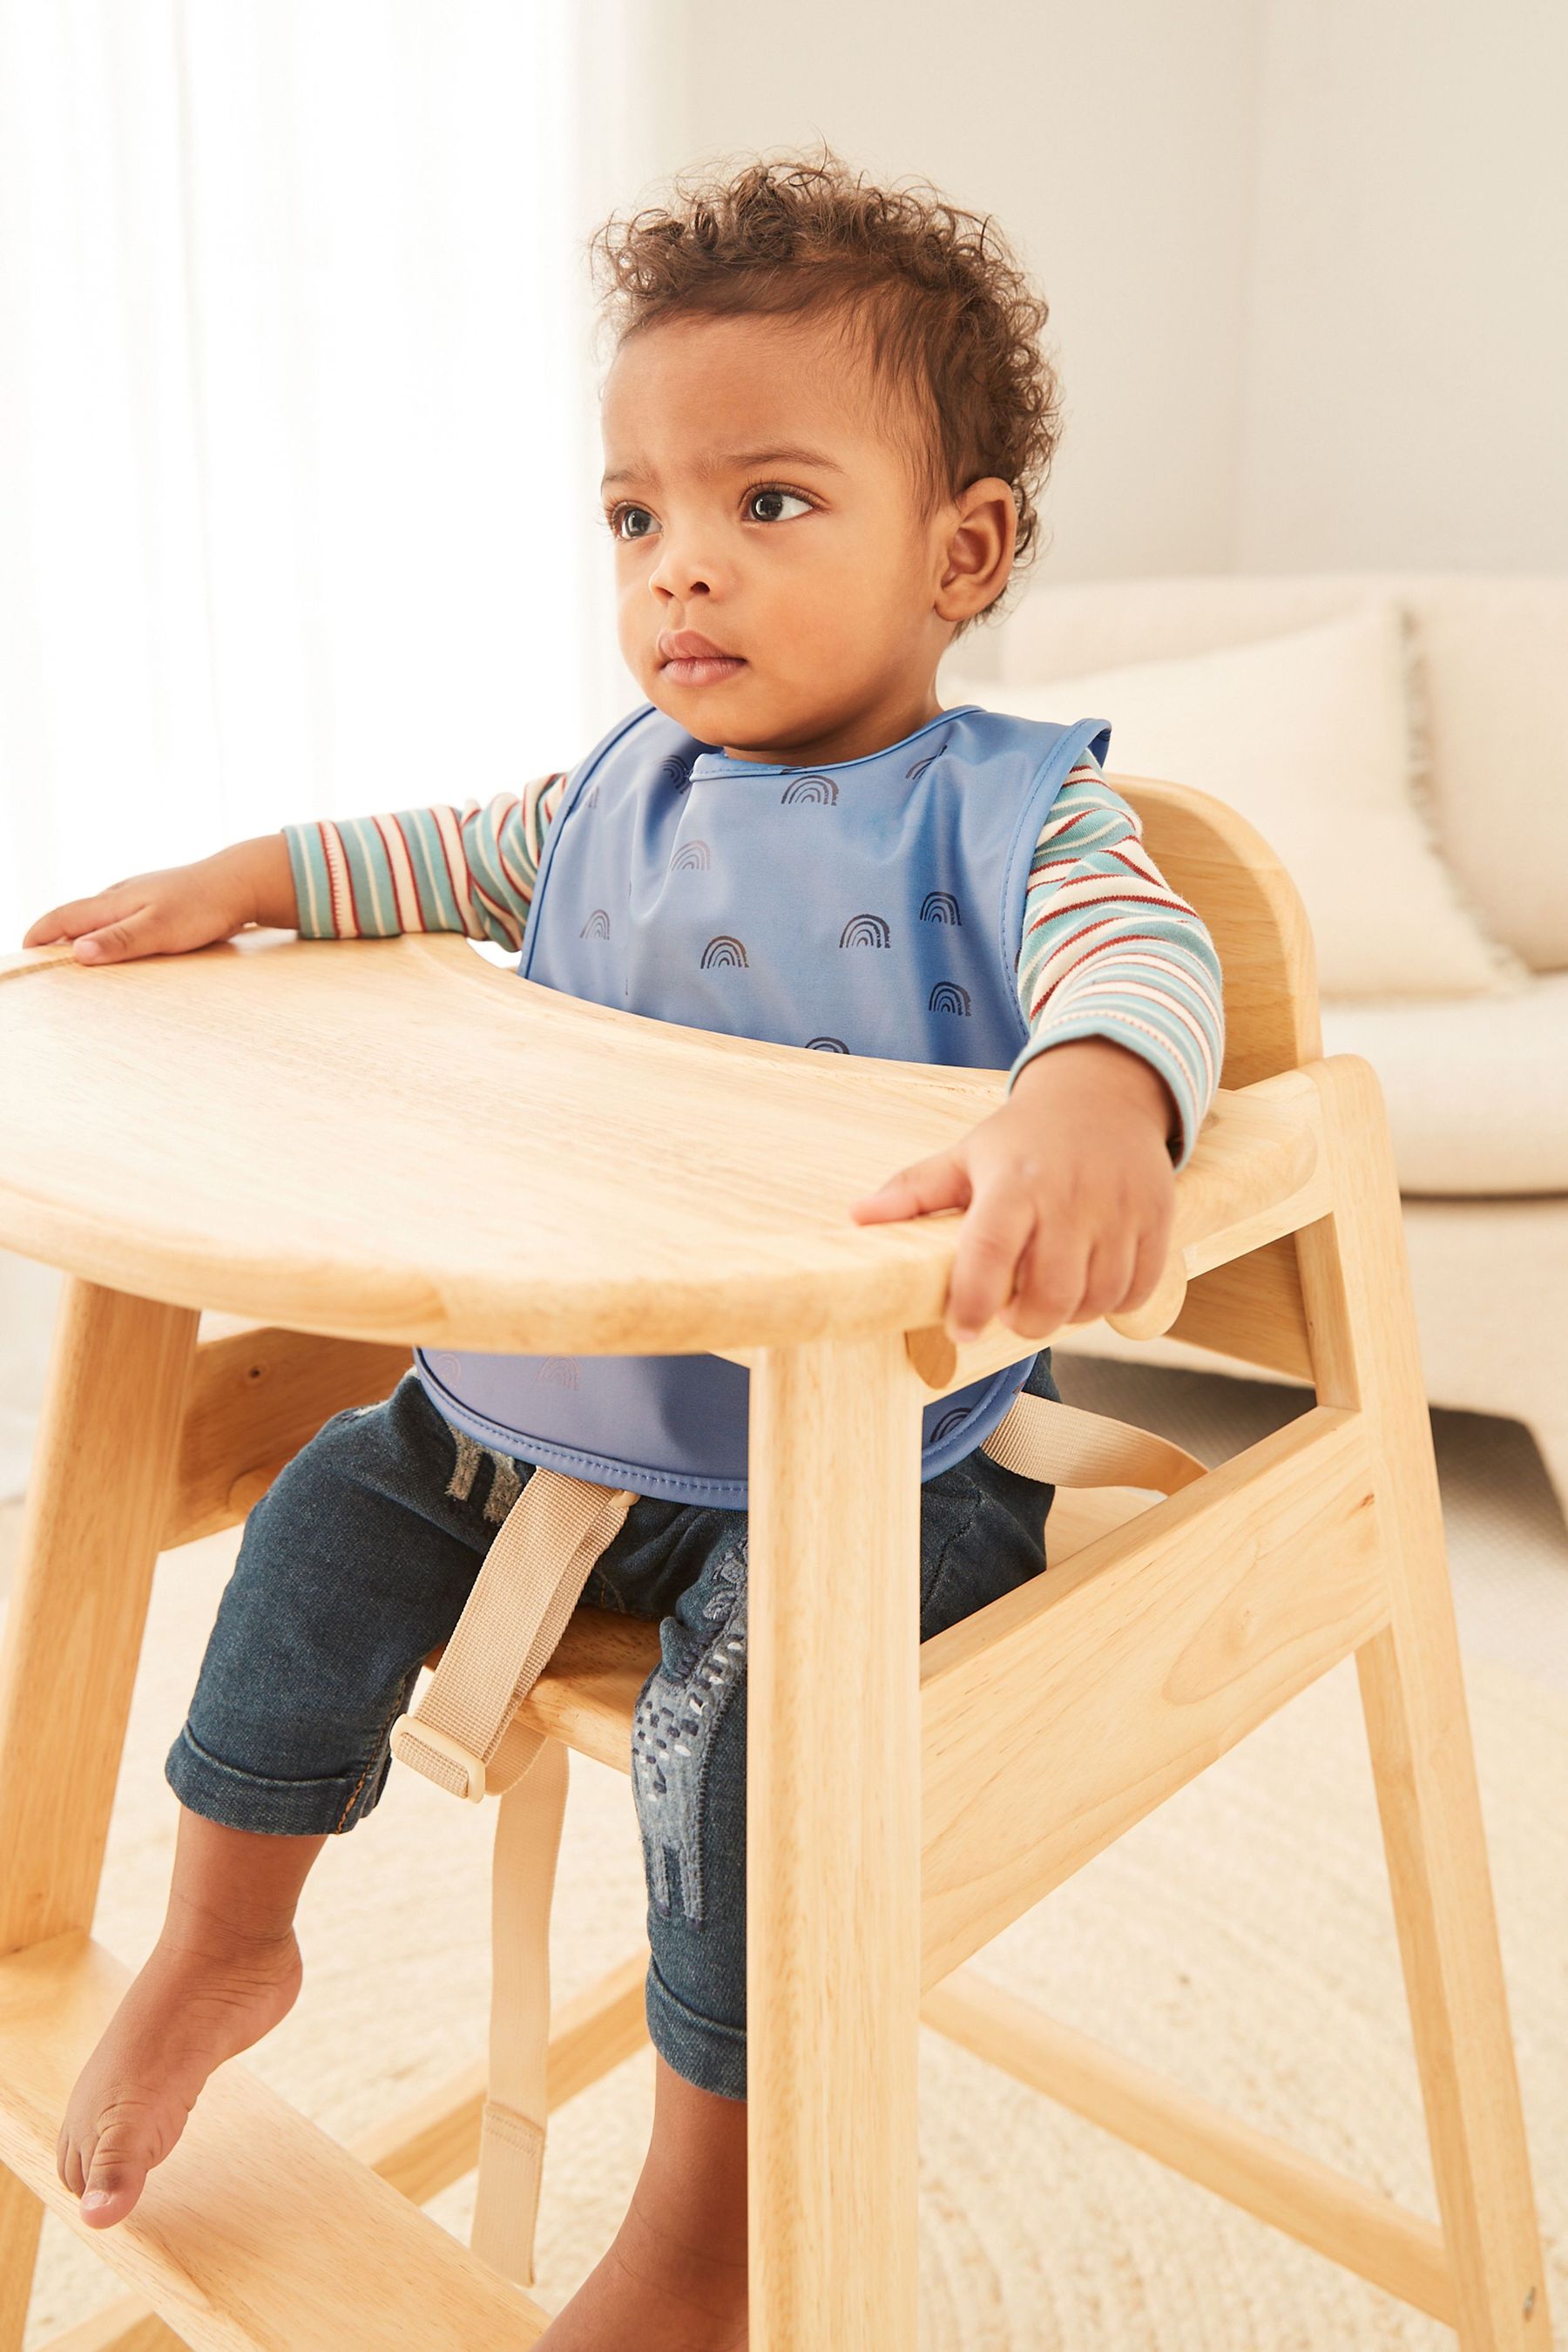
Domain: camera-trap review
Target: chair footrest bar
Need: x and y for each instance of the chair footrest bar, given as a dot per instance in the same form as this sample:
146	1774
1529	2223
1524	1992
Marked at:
251	2174
1354	2226
435	2140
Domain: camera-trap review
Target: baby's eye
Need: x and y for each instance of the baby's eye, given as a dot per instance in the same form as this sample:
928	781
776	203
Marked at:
753	495
618	515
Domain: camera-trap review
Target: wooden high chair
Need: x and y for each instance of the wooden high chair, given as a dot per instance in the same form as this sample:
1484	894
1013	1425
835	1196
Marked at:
311	1136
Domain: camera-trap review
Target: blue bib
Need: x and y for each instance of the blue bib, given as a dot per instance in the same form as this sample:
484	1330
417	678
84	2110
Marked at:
871	906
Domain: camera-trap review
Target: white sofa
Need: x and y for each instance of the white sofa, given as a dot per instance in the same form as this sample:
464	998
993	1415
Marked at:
1476	1086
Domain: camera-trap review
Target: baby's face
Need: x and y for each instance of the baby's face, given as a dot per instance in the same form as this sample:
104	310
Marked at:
758	497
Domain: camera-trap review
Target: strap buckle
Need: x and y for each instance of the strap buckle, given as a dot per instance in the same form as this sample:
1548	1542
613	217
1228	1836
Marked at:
472	1767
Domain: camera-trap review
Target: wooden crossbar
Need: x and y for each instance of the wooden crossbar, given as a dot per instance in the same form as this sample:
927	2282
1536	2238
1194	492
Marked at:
1324	2208
1200	1617
256	1395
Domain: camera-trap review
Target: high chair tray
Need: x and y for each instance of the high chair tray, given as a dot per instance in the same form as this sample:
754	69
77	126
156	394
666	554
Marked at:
397	1139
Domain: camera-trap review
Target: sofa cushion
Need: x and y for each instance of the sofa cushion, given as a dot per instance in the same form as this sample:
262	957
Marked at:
1476	1091
1309	737
1497	699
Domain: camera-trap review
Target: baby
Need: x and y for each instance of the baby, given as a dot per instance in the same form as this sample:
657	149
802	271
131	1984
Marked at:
825	418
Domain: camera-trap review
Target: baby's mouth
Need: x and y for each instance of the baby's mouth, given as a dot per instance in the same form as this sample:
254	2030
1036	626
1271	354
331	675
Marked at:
702	669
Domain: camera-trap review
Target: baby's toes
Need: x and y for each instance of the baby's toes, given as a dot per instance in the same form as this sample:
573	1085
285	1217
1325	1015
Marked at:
67	2161
115	2164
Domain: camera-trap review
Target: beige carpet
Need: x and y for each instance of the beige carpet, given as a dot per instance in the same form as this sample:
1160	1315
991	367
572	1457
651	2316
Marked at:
1240	1939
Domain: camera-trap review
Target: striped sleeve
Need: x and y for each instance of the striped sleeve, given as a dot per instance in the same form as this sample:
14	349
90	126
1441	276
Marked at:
1110	951
470	869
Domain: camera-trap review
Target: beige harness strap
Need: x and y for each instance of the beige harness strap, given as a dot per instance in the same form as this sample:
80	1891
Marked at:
464	1736
1064	1446
531	1580
517	2101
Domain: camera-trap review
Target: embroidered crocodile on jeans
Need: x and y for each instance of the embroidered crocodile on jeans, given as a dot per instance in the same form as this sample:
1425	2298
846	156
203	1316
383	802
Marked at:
672	1735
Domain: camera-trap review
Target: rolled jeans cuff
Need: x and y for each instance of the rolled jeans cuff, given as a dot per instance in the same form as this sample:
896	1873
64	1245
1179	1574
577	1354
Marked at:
249	1800
712	2056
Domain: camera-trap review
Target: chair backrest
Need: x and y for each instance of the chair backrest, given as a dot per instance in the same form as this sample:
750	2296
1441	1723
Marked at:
1224	869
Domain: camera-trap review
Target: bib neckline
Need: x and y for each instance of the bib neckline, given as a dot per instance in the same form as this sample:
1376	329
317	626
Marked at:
715	763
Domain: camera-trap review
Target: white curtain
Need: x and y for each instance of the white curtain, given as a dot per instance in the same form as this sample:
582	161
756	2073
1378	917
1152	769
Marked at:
298	441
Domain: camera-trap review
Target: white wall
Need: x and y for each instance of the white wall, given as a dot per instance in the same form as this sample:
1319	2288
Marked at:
1405	396
1305	258
1113	143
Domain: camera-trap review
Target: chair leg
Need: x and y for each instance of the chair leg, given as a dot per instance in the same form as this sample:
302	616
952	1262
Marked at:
1355	1280
96	1502
516	2113
21	2219
833	1851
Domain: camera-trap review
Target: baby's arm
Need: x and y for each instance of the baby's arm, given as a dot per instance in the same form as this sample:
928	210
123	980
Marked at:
430	869
1110	950
1069	1188
443	868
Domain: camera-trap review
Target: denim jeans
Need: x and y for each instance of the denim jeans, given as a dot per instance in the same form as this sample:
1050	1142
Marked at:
358	1560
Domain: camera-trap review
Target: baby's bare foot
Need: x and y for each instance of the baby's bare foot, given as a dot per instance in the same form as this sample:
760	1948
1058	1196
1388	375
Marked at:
650	2295
186	2011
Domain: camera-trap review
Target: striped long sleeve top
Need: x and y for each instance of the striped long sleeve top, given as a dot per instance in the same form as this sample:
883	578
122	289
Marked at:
1108	949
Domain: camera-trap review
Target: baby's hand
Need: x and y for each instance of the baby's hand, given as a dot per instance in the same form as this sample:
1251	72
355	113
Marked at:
1069	1189
167	913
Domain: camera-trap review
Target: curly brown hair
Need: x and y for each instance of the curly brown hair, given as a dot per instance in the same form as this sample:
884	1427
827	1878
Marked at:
933	294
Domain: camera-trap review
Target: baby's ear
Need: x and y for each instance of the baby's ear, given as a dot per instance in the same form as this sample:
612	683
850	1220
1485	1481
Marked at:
980	550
